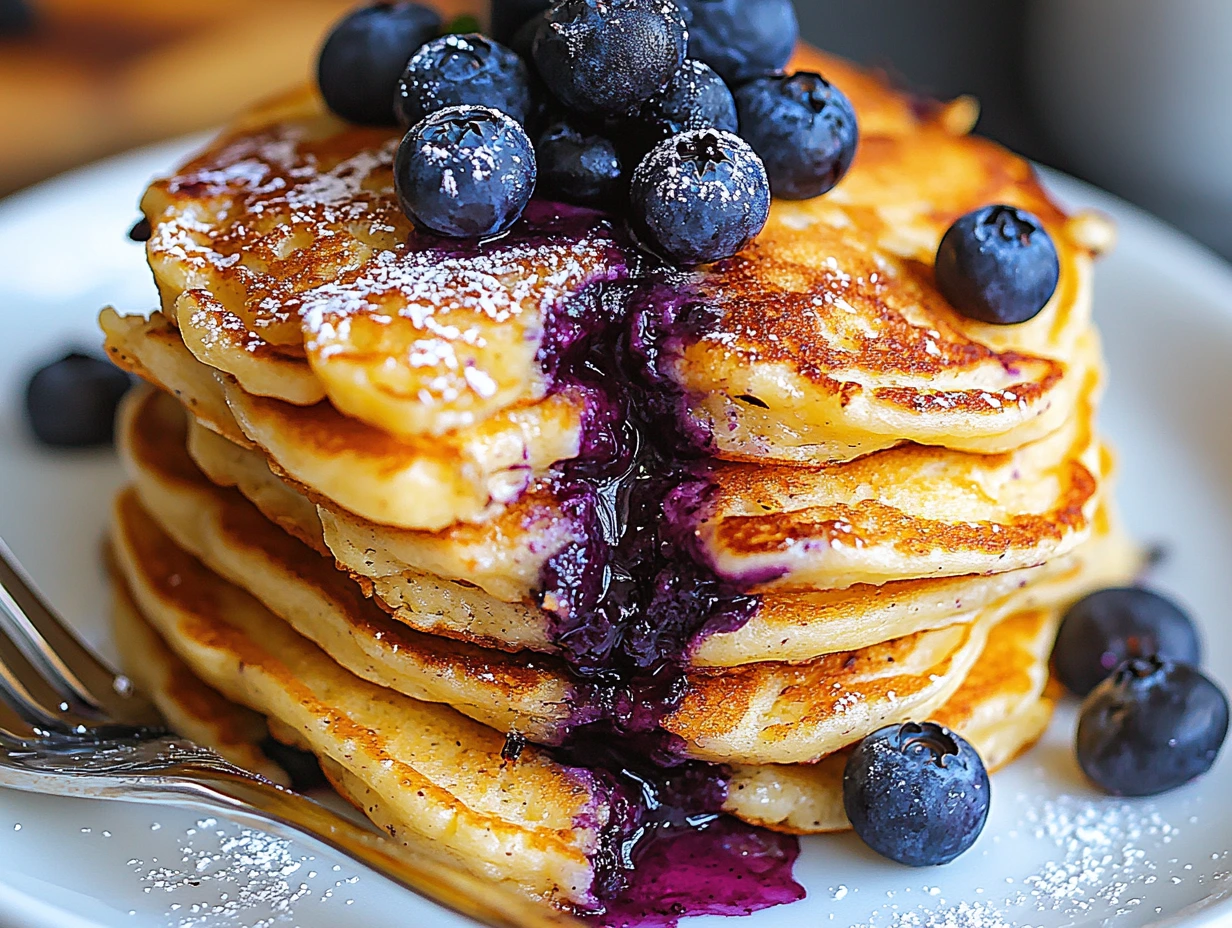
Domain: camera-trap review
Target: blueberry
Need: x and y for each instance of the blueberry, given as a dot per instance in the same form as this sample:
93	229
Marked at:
998	265
72	403
1152	726
365	55
577	166
140	231
695	98
804	129
741	39
16	17
916	793
609	56
699	197
465	172
1105	629
463	70
508	16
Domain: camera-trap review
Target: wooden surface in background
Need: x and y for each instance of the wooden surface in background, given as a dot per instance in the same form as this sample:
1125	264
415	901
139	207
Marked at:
101	76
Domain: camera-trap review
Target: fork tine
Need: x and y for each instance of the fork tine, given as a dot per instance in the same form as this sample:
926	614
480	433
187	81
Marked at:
45	639
31	695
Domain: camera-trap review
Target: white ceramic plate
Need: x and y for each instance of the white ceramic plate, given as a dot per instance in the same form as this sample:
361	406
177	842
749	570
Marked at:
1054	852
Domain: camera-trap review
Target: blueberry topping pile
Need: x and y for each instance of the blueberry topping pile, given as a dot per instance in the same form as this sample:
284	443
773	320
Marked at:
916	793
460	70
72	403
578	166
998	265
1152	726
741	39
466	172
803	128
609	56
601	86
699	196
365	55
1105	629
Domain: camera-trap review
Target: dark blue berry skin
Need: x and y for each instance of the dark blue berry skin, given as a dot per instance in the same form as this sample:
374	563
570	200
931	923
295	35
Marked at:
741	39
578	167
998	265
465	172
916	793
1152	726
16	17
608	57
463	70
1102	631
72	403
803	127
695	98
699	197
508	16
365	55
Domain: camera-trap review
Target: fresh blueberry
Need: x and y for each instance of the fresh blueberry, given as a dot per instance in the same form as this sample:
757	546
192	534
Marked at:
695	98
140	231
577	166
1102	631
916	793
699	197
465	172
741	39
523	41
365	55
998	265
804	129
609	56
72	403
16	17
463	70
508	16
1152	726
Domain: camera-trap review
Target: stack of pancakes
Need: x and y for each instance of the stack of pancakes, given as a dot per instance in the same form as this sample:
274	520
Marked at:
396	499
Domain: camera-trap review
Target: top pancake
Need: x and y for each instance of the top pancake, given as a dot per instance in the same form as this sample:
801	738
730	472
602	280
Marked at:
283	256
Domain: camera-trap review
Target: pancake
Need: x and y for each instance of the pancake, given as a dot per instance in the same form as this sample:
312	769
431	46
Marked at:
189	707
422	484
284	258
1002	708
785	627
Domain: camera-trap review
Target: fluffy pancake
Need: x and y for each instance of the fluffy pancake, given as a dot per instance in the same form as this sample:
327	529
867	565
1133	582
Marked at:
1002	708
284	258
422	484
786	626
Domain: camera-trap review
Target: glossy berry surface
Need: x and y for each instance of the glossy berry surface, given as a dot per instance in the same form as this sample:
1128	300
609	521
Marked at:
998	265
578	167
72	403
695	98
508	16
741	39
803	127
465	172
1107	628
365	55
1152	726
916	793
463	70
699	197
609	56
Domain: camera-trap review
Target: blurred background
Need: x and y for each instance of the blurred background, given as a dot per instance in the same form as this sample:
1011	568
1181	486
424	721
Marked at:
1130	94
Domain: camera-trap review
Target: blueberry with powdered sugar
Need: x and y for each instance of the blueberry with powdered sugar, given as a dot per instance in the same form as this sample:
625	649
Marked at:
609	56
465	172
699	197
695	98
463	70
578	166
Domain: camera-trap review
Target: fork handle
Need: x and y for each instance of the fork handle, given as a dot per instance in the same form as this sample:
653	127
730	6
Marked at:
287	814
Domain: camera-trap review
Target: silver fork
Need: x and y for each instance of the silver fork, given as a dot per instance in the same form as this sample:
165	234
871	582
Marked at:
69	726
